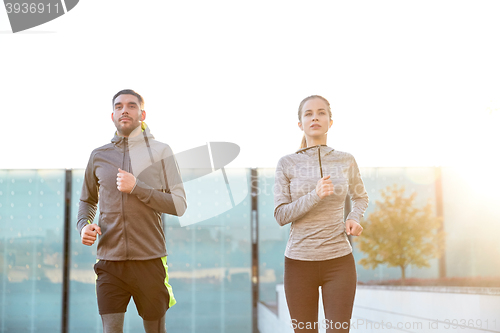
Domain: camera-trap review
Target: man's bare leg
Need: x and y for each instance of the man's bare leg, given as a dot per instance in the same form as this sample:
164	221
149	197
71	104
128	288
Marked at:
112	322
155	326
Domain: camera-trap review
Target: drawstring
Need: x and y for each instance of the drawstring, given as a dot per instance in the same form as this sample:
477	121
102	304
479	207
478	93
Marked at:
149	148
153	161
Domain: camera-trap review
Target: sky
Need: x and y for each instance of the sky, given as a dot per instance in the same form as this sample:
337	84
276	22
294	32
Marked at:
411	83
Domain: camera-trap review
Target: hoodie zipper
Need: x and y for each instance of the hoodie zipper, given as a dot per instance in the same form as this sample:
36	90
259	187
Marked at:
125	149
319	159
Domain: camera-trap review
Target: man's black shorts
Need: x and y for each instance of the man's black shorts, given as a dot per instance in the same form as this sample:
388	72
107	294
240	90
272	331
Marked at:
145	280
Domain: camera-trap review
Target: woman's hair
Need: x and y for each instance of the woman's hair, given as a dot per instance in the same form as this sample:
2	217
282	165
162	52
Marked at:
303	144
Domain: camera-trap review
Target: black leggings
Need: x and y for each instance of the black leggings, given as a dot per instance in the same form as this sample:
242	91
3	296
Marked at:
337	278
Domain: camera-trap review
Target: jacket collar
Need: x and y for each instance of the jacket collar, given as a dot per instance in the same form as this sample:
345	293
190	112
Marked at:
324	148
120	140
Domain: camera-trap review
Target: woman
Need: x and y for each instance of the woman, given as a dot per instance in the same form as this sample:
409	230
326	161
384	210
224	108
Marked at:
309	192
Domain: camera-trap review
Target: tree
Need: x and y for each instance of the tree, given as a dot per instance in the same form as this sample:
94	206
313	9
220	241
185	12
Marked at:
398	234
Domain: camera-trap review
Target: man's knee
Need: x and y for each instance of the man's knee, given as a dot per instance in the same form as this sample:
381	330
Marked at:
155	326
112	322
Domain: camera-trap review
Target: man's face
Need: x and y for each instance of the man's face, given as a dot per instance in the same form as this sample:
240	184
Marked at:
127	114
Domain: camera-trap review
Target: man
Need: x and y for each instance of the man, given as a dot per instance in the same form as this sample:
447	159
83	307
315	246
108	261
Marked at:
135	178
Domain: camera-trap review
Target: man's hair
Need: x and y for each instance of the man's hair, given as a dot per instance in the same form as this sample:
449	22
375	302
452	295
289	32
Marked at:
129	92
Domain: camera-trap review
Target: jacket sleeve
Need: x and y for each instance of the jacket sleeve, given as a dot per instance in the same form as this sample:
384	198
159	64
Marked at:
89	197
173	201
357	192
286	210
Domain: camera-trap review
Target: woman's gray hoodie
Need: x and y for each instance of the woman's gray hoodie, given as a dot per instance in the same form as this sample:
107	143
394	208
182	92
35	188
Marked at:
318	228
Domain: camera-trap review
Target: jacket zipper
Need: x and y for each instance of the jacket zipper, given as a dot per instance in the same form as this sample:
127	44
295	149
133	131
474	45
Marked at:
319	159
125	146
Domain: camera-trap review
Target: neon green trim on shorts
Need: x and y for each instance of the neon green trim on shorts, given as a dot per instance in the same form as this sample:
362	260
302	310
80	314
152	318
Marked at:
169	287
97	260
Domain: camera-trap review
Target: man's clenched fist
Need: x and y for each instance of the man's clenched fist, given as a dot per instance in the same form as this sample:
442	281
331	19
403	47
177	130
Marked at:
125	181
89	234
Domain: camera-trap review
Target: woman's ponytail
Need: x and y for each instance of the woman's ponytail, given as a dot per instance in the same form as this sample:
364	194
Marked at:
303	144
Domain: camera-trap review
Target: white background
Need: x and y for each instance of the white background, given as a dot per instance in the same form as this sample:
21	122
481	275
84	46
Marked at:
411	83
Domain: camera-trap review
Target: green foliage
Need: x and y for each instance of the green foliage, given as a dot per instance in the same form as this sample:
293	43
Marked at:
399	234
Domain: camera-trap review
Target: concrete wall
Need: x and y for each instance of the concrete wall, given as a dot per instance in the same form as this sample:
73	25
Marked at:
406	309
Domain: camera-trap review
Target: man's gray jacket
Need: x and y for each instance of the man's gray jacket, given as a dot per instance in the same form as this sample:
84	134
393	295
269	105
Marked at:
131	224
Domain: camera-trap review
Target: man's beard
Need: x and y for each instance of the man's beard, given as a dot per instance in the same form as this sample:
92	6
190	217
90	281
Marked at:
125	130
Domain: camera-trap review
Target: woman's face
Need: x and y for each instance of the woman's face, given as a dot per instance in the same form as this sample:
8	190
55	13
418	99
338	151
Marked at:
315	119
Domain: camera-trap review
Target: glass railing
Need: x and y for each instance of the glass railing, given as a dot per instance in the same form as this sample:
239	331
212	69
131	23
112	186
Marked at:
31	259
469	252
210	248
